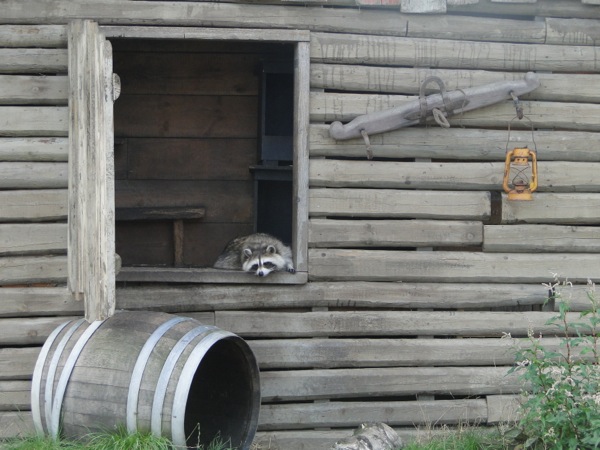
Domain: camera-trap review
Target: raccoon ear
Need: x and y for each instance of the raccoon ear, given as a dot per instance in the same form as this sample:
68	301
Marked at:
247	252
271	249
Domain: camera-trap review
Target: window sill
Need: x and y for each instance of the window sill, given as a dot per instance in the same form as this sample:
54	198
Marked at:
205	275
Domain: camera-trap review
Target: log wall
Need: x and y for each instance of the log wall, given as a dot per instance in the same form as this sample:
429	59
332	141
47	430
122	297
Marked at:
418	263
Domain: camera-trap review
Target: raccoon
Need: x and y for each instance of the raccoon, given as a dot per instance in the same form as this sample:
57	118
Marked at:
257	253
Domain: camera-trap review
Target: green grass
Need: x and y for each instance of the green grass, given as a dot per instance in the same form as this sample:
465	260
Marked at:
470	438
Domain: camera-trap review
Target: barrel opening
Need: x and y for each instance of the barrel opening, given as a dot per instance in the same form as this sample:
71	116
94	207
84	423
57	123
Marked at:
224	389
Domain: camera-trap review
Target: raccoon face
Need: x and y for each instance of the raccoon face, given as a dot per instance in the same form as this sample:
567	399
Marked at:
262	262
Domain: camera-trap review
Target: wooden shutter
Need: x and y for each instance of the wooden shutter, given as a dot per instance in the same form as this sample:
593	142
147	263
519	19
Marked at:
91	243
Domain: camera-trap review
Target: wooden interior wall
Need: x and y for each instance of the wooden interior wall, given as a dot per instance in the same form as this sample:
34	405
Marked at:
418	263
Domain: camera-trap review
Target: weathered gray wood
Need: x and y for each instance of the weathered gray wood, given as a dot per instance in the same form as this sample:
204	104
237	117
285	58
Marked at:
503	408
33	36
156	213
15	395
33	269
33	175
34	90
348	414
383	323
541	8
38	301
553	176
399	80
554	208
91	273
384	352
572	31
17	363
399	204
33	120
205	275
33	205
345	295
36	61
423	6
383	265
459	143
541	238
348	383
16	424
394	233
33	149
394	51
327	107
26	331
21	239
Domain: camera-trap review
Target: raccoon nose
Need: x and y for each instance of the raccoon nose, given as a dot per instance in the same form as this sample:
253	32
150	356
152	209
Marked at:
260	273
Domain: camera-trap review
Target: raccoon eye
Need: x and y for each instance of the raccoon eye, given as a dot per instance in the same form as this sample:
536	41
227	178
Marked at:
269	265
254	267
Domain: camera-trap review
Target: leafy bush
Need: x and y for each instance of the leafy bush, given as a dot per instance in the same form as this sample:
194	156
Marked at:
561	408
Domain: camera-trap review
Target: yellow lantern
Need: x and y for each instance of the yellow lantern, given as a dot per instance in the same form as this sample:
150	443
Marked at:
520	174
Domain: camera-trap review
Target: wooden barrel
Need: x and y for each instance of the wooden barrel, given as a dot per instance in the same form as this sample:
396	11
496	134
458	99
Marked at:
147	371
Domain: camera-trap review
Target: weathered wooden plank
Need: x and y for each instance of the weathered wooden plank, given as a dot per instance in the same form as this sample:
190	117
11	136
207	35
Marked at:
38	301
15	395
34	90
399	80
33	205
33	149
28	60
394	51
554	208
204	275
33	175
399	204
33	120
553	176
32	269
458	144
572	31
21	239
33	36
18	363
326	107
423	6
384	265
384	352
541	238
348	383
383	323
25	331
541	8
393	233
352	414
341	295
503	408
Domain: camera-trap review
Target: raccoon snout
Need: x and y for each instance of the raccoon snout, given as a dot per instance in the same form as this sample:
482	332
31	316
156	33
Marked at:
260	273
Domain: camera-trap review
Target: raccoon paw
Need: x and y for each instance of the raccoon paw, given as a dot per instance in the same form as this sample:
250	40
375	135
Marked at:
291	270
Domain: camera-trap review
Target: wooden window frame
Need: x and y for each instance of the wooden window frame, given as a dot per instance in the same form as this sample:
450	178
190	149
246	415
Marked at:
93	87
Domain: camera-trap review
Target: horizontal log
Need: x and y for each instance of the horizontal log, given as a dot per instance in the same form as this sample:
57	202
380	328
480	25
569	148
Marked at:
456	267
32	269
38	301
415	52
33	90
352	414
33	175
33	36
35	61
385	382
331	353
18	363
503	408
33	120
384	323
156	213
16	424
347	294
458	144
553	176
15	395
326	107
204	275
399	80
553	208
33	238
393	233
541	8
25	331
33	205
34	149
388	203
541	238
